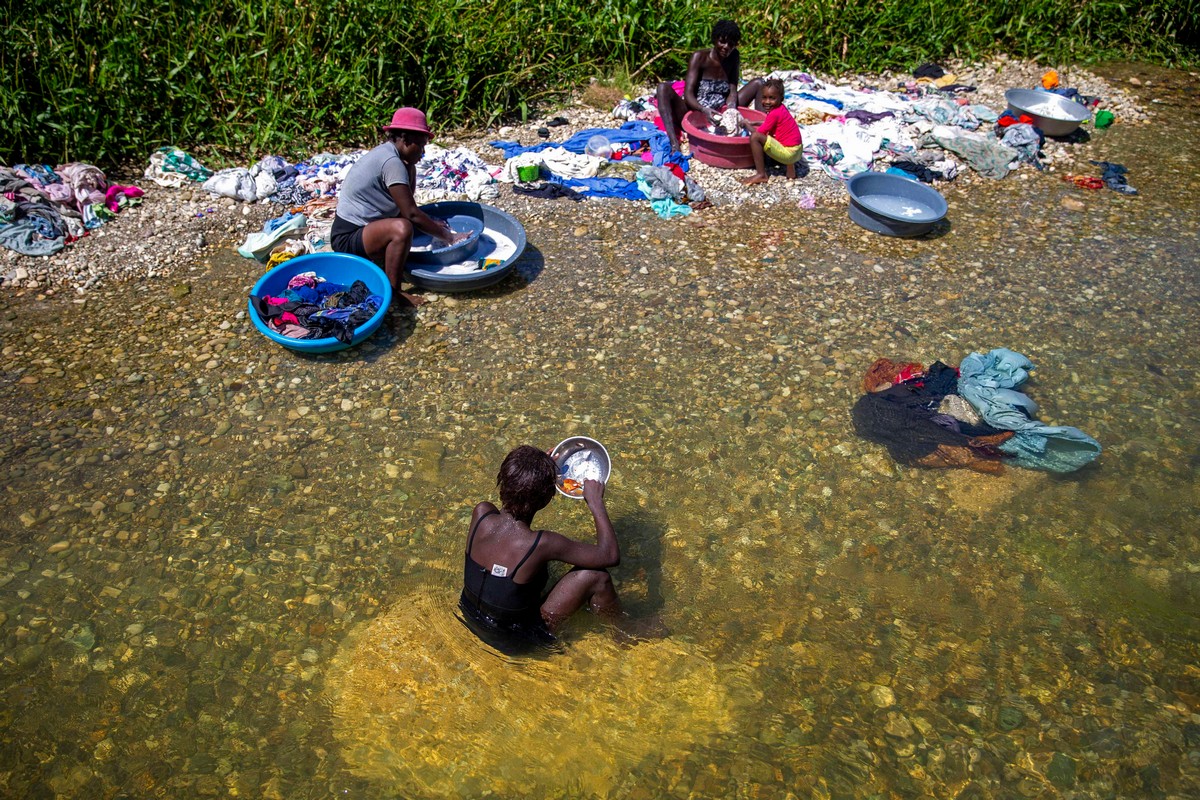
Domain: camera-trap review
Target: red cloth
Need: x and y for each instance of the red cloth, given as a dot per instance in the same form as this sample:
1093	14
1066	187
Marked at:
782	125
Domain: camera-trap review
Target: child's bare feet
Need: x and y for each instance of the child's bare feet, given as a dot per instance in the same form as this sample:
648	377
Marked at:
754	180
413	300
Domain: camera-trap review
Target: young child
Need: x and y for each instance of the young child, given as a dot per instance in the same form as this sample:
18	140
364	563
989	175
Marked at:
778	136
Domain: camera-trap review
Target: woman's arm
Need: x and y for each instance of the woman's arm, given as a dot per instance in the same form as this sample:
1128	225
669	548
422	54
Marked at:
733	74
692	82
402	196
606	552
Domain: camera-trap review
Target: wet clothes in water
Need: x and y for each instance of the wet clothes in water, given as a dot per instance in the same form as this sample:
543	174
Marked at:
496	608
905	420
324	311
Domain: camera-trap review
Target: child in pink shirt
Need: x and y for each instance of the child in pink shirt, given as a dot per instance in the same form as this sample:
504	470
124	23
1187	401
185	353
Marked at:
777	136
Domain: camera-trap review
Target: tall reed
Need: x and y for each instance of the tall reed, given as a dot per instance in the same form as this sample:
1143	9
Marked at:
106	82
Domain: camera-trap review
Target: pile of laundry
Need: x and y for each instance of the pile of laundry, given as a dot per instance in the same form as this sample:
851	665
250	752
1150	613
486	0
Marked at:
925	128
972	416
43	209
314	308
573	167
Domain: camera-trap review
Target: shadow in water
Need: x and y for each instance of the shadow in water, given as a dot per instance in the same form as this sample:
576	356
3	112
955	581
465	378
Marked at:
640	575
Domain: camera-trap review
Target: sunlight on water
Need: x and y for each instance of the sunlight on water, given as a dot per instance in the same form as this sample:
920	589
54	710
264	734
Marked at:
243	581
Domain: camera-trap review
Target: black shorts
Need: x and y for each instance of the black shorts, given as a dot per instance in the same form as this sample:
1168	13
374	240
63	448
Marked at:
346	237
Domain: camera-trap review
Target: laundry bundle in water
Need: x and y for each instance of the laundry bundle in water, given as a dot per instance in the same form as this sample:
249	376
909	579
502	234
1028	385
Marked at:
971	417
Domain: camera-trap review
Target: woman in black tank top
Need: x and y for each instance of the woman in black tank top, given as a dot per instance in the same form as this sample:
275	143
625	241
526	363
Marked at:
504	598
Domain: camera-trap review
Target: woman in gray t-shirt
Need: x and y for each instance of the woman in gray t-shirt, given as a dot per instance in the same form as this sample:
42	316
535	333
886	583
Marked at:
376	212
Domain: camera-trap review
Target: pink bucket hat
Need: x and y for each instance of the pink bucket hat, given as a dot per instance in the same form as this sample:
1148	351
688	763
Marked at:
409	119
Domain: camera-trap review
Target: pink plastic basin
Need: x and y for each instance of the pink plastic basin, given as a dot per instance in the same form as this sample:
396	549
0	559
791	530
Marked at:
727	152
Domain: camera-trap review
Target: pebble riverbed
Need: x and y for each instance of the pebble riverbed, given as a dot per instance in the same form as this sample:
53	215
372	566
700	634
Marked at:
227	569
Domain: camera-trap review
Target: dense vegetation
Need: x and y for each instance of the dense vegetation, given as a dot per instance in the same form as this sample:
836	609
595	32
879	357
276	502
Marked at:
107	81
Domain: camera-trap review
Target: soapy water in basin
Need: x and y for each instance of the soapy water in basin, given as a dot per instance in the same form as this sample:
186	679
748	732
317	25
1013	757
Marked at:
1047	108
896	207
583	466
491	245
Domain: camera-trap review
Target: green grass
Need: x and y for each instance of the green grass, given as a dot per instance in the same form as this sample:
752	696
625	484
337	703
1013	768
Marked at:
112	81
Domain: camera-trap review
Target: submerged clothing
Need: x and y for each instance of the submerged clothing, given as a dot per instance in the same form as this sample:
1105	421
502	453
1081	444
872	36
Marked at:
781	125
904	418
496	607
364	196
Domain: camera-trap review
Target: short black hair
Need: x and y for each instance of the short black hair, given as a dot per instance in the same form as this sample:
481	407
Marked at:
776	84
728	30
526	480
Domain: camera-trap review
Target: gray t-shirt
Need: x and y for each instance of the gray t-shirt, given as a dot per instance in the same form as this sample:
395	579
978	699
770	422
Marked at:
364	194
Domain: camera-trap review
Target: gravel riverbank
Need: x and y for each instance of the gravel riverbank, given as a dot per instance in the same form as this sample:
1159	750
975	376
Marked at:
173	229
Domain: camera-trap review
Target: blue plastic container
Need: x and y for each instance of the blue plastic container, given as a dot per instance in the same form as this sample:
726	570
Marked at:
427	276
340	268
893	205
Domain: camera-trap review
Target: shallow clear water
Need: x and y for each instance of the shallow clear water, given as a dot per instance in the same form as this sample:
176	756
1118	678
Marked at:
229	569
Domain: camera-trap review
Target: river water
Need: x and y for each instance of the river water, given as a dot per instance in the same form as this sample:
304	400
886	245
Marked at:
230	570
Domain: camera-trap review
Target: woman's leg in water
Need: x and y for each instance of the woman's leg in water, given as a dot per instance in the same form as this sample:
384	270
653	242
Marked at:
594	588
671	108
579	587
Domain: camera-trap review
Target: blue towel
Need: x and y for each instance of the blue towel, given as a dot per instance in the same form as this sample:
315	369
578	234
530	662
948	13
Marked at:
989	383
638	130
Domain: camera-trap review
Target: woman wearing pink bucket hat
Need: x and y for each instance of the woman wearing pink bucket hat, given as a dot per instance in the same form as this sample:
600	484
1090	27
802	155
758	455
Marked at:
376	212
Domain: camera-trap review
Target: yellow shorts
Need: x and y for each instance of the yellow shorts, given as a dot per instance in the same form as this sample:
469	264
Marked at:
784	155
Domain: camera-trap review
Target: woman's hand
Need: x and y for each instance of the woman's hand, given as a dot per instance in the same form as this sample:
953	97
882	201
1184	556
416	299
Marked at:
448	235
593	491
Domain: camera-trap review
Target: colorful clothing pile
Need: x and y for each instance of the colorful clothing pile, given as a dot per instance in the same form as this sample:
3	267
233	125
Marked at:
313	308
847	131
43	209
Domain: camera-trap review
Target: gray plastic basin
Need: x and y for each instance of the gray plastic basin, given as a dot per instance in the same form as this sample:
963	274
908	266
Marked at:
893	205
443	254
429	277
1054	114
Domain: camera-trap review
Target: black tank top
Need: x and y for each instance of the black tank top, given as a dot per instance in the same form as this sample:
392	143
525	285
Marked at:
494	592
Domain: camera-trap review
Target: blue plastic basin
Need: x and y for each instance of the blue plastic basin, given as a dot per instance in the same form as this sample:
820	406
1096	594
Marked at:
428	277
340	268
894	205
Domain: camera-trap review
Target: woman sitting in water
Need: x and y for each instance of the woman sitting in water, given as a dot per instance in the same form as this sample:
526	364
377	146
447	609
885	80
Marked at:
376	212
504	576
710	85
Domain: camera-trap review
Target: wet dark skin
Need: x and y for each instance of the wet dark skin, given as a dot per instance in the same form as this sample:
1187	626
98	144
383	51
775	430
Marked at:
390	239
720	62
504	539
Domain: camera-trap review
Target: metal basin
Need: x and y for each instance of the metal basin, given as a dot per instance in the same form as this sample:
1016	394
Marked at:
568	448
1053	114
727	152
894	205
